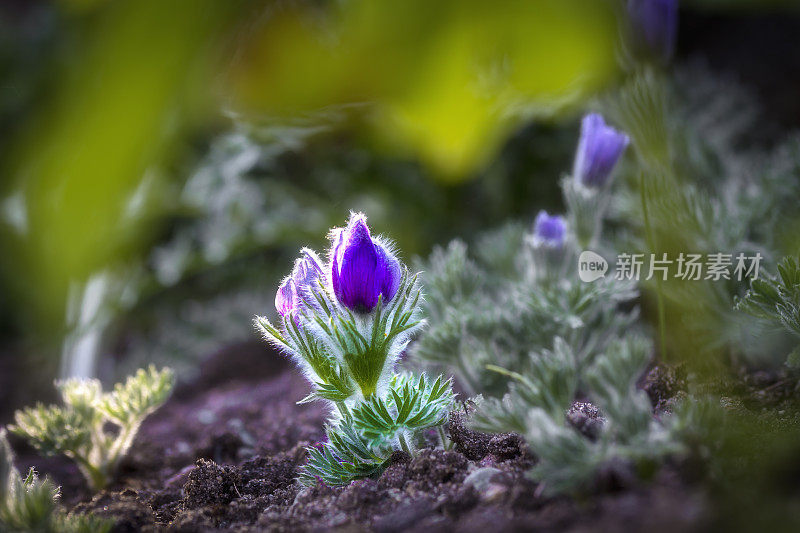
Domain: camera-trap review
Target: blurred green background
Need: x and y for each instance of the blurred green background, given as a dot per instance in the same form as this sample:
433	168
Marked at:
150	143
163	161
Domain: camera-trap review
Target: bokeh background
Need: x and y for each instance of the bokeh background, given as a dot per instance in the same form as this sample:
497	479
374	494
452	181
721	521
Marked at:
162	162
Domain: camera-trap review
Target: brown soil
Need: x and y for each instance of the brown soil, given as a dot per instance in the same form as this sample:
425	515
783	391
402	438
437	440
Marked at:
224	456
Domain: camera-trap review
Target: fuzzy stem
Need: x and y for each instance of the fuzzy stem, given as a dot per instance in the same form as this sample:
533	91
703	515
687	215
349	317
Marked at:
95	476
344	411
122	444
445	442
659	291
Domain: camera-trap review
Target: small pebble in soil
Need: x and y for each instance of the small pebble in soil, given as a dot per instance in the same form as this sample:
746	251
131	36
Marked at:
586	418
663	382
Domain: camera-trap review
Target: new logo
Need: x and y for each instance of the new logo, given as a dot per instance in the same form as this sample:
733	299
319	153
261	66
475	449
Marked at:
591	266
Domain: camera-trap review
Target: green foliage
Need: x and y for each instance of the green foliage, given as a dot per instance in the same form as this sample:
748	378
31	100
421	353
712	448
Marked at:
30	504
411	405
480	316
704	193
537	403
77	429
517	325
777	299
345	457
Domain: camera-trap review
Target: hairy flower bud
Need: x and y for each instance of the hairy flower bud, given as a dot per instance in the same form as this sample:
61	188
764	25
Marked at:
549	230
306	272
655	25
307	269
599	149
361	268
286	298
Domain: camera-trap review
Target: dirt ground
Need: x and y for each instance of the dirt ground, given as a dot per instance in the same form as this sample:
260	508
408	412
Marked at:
223	454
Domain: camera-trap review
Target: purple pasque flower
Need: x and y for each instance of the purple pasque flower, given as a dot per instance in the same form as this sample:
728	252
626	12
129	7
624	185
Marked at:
361	267
306	272
655	25
549	231
599	149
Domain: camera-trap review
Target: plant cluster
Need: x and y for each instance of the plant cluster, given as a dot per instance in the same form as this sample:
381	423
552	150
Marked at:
521	290
526	325
78	429
510	318
538	401
30	504
346	323
695	189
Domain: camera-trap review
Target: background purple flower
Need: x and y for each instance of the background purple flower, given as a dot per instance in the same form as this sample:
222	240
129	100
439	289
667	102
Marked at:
549	230
599	149
655	25
361	268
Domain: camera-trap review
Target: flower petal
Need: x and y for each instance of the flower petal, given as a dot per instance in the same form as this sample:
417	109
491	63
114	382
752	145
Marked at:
549	230
599	149
286	297
358	274
307	269
655	25
390	273
336	258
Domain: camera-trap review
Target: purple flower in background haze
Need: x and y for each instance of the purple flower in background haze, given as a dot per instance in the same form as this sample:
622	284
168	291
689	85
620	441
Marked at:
362	268
655	25
549	230
599	149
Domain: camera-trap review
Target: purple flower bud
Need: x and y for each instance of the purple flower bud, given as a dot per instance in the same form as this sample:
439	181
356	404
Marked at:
286	299
599	149
307	269
655	25
361	268
305	273
549	230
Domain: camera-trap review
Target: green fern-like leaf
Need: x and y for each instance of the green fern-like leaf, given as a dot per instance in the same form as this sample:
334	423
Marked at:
412	404
776	298
139	396
53	429
77	429
346	457
30	504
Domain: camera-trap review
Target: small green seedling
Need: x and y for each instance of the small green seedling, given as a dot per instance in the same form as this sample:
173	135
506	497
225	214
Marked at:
31	504
78	428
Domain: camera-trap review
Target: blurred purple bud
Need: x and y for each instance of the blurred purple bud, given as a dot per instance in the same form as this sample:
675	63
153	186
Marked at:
599	149
655	25
361	268
549	230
